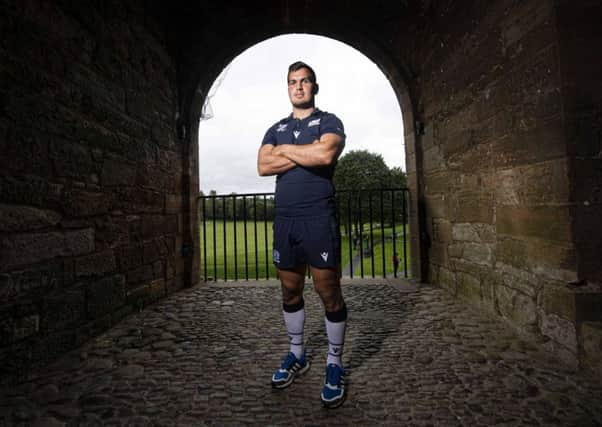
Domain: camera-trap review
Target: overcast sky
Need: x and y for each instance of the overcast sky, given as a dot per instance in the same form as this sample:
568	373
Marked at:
252	96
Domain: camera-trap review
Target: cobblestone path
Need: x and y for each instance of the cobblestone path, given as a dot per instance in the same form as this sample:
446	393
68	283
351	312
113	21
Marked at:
205	356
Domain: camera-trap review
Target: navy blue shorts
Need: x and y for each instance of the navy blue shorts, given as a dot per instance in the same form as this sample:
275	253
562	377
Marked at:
300	241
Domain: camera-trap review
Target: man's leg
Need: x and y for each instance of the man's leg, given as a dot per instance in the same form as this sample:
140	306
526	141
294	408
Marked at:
292	283
327	284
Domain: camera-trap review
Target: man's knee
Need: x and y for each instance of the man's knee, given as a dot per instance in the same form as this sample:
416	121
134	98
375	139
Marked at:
333	301
328	286
292	282
292	295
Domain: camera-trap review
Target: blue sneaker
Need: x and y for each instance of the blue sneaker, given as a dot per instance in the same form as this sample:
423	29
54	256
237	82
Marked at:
290	368
333	393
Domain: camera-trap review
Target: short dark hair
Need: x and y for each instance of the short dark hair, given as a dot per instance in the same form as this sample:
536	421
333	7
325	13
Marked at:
295	66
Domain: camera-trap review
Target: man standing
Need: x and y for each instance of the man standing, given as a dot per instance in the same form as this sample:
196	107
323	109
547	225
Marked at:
395	263
302	150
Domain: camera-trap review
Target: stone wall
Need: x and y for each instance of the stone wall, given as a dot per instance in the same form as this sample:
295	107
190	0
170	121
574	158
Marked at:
504	189
90	173
580	70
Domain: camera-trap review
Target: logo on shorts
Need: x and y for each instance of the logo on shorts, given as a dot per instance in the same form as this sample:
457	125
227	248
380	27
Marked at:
324	256
276	255
282	128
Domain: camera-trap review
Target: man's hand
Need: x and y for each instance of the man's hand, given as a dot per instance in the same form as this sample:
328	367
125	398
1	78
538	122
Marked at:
270	162
278	150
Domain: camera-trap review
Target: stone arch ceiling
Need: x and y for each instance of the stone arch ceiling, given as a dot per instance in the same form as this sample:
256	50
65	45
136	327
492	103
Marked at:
214	34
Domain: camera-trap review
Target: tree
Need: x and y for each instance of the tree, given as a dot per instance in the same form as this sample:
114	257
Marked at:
361	169
212	205
398	178
356	171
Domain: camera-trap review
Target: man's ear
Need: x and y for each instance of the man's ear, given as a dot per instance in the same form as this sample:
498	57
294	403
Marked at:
315	89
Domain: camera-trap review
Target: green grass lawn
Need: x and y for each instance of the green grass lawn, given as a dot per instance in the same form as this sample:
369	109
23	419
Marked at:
214	265
388	258
389	249
259	262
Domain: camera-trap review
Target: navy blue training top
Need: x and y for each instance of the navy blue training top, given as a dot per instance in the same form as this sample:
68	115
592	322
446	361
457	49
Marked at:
303	191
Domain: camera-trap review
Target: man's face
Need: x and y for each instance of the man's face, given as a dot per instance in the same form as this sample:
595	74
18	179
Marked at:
300	88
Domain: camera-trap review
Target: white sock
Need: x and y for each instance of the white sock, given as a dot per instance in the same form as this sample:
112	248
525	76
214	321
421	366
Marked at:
295	322
336	338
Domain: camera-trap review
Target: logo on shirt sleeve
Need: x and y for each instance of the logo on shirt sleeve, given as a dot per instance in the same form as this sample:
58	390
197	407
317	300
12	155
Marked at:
282	128
314	122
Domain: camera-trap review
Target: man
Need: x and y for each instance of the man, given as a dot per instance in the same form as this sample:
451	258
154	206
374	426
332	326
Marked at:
302	150
395	263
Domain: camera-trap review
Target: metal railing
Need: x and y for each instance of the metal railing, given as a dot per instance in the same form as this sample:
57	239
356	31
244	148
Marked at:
236	234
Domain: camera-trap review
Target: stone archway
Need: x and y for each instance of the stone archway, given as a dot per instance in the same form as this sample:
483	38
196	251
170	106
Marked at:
98	179
491	154
402	95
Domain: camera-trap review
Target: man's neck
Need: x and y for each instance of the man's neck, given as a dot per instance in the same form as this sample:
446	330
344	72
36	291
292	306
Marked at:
301	113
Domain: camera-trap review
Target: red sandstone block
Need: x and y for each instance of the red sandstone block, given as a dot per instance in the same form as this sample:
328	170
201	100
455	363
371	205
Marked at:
151	251
23	249
80	203
534	184
552	259
471	206
118	172
96	264
546	222
527	28
129	257
105	295
531	141
60	311
438	254
143	274
14	218
71	160
436	206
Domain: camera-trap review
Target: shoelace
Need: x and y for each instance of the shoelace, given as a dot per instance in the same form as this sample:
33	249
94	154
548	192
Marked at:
333	375
288	361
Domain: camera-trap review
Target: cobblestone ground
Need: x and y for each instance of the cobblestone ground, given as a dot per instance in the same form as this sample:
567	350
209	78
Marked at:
205	357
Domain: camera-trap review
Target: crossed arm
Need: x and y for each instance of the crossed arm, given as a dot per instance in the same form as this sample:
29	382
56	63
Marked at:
273	160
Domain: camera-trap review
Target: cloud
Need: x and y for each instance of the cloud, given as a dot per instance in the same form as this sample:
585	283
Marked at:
253	96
